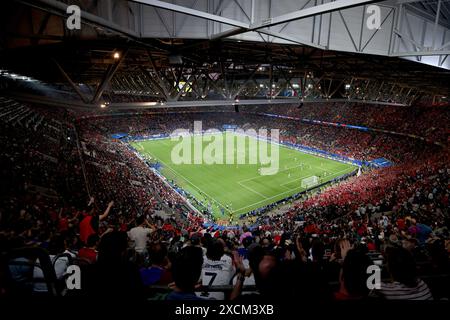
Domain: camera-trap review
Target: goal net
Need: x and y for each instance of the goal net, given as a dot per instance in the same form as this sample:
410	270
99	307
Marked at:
310	182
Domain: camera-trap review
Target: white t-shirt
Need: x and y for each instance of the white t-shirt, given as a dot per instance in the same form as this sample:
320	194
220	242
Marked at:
216	273
140	237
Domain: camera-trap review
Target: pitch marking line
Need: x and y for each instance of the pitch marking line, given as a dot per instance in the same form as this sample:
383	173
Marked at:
275	196
301	178
240	182
250	189
245	207
232	212
192	184
304	177
140	146
260	176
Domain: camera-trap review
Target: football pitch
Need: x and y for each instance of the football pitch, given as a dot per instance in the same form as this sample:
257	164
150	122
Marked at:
230	190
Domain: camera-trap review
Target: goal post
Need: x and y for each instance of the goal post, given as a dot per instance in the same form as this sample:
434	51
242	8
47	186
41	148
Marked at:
310	182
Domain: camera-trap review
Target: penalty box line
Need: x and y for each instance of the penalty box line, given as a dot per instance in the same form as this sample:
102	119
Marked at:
261	176
289	190
192	184
281	193
252	190
331	175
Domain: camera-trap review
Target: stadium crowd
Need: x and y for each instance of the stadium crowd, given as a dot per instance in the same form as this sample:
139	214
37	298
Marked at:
422	120
88	199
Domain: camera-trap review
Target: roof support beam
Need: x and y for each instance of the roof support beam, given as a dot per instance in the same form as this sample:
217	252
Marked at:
425	14
242	27
245	82
436	22
406	1
61	8
420	53
309	12
108	76
232	102
69	80
290	38
192	12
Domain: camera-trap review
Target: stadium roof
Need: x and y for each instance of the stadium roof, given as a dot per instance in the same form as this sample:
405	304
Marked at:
172	68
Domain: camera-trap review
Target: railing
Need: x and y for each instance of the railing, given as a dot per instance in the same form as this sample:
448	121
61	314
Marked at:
431	280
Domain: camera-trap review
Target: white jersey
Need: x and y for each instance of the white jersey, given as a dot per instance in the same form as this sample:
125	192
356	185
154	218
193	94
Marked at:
216	273
248	281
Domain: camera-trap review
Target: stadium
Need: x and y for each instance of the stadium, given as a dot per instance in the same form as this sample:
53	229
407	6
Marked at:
230	150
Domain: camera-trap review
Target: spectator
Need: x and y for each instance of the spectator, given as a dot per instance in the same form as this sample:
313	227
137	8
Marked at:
217	269
186	270
246	233
403	204
159	272
405	284
90	223
353	277
112	275
139	234
57	247
89	251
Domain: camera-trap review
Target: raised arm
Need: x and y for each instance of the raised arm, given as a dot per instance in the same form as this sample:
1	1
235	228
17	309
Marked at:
108	209
91	201
240	268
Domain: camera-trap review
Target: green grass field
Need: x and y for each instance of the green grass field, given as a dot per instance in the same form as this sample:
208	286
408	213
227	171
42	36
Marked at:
240	188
